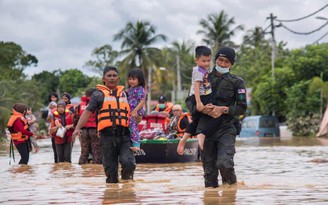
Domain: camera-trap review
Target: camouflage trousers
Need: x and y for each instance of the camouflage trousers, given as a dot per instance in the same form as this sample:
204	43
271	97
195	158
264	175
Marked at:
90	144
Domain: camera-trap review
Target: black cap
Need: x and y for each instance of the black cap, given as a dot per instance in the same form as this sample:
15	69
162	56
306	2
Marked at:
162	99
226	52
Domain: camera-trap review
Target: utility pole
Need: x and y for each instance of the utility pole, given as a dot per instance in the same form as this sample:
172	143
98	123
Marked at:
179	74
273	49
149	89
273	43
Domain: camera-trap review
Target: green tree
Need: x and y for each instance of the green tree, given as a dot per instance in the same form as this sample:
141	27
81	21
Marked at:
13	60
254	57
217	30
74	82
48	82
104	56
14	91
317	85
303	116
178	60
137	45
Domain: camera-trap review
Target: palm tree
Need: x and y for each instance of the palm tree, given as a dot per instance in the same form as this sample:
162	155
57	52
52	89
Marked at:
217	30
255	38
183	61
137	45
178	61
105	56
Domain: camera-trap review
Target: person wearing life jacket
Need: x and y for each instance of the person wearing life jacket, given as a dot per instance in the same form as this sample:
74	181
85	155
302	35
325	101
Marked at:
164	107
179	122
18	128
89	140
111	103
62	117
67	99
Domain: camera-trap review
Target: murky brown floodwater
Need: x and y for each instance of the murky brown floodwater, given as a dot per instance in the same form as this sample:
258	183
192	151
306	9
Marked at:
269	171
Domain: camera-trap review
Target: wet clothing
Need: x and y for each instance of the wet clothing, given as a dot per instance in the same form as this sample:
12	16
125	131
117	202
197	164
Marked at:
116	149
219	148
89	140
53	145
90	144
115	139
135	95
18	128
64	152
63	145
24	149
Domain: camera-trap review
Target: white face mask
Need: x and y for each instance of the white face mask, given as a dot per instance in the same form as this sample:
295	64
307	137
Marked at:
222	70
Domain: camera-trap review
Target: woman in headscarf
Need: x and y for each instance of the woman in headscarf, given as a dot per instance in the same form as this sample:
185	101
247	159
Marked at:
18	128
67	99
63	118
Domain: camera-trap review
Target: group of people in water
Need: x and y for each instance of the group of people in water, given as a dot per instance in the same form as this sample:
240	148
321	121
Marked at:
106	120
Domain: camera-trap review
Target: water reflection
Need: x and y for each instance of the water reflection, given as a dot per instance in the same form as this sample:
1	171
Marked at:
269	171
120	193
222	195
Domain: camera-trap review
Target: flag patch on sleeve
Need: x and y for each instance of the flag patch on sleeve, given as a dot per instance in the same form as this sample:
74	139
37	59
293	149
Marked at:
240	91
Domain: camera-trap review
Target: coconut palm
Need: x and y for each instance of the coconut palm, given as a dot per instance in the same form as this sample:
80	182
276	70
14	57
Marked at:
105	56
183	61
217	30
137	45
178	61
255	38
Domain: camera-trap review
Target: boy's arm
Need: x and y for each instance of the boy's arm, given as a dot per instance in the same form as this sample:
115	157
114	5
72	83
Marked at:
199	103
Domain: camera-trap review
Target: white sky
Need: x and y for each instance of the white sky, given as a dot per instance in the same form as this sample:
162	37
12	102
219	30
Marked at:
63	33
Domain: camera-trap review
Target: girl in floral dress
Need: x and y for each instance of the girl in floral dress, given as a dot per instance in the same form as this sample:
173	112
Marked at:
136	98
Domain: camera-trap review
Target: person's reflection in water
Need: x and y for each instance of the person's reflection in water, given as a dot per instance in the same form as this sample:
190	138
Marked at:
120	193
220	195
92	170
63	169
26	169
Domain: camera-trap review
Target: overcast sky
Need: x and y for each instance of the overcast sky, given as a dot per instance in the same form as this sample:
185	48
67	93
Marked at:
63	33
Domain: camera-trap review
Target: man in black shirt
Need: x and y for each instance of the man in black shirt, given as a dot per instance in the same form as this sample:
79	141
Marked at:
229	101
113	111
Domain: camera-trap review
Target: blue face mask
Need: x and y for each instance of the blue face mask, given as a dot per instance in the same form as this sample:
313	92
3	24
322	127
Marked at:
222	70
161	106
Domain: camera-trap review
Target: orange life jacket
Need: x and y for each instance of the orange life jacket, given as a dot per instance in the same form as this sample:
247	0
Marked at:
92	119
69	121
181	131
18	135
168	107
115	110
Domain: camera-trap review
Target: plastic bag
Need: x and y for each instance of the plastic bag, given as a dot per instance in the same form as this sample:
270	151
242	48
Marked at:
61	132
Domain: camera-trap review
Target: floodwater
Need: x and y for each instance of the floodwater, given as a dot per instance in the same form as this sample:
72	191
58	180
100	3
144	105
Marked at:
270	171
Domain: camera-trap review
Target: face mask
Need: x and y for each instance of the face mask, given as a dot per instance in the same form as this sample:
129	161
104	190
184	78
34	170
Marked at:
222	70
161	106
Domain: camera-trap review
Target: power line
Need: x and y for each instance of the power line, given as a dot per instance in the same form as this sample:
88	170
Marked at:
317	41
298	19
304	33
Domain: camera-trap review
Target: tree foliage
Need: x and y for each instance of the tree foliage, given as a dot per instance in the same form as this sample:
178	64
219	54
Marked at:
104	56
74	82
13	60
217	30
137	44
